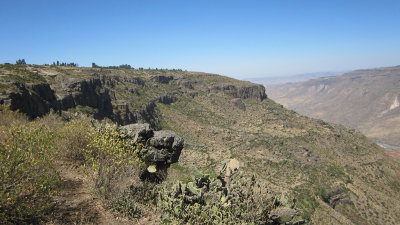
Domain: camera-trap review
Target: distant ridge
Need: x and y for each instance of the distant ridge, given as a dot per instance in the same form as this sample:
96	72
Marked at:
293	78
366	99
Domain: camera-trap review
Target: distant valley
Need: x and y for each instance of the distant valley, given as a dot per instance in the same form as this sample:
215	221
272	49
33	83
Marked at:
293	78
367	100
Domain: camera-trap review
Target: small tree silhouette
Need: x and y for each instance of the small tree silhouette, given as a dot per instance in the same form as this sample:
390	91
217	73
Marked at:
20	62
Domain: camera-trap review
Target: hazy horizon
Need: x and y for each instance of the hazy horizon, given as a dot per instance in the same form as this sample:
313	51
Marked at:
233	38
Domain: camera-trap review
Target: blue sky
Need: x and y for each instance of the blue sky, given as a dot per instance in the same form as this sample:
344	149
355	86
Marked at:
236	38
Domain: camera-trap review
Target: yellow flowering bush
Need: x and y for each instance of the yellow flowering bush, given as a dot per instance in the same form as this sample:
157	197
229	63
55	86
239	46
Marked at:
107	146
110	159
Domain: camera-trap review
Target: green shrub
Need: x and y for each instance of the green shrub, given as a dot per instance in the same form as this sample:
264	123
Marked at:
306	202
27	174
322	193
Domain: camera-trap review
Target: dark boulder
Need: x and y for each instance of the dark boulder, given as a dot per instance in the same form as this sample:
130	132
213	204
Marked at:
169	141
161	149
164	148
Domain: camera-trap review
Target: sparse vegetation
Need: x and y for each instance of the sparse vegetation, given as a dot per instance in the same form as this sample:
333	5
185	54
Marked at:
205	201
290	155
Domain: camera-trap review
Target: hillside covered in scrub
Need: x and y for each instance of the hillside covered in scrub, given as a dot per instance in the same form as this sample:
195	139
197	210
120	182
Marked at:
367	100
292	168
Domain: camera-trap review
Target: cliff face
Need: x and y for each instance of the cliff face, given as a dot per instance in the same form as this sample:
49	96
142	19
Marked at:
246	92
88	93
35	100
112	96
38	99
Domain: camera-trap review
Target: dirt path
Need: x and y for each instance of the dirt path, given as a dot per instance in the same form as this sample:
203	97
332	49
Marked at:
76	204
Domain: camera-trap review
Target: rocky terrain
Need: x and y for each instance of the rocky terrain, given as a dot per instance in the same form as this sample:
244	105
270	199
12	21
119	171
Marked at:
367	100
335	174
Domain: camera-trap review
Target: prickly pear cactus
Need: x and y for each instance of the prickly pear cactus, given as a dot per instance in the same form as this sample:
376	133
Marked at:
207	201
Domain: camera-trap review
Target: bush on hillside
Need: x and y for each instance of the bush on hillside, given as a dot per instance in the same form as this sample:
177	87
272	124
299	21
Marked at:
27	175
112	160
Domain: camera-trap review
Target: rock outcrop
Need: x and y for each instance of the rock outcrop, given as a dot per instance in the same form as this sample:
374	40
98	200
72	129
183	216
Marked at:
243	92
166	147
338	195
283	215
89	93
38	99
162	148
185	83
34	100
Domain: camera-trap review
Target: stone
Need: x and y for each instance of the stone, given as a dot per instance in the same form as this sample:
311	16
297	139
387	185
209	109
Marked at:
282	215
157	156
166	139
162	148
229	168
152	169
138	131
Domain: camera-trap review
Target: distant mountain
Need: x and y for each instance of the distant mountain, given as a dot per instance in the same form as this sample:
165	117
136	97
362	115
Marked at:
367	100
293	78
